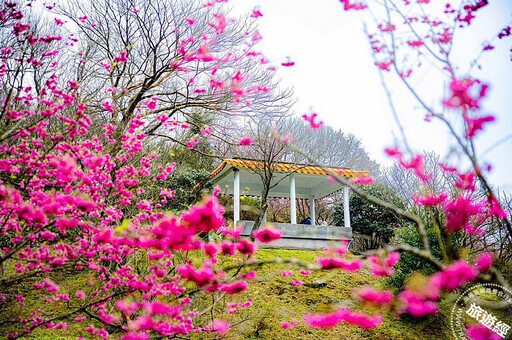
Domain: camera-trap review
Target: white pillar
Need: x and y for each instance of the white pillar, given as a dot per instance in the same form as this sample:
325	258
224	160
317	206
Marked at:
265	217
312	210
346	207
236	197
293	207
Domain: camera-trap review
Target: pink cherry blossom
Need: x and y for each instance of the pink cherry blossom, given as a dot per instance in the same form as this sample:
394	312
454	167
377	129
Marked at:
211	249
387	28
127	308
484	261
160	308
459	211
417	164
250	276
234	288
247	141
122	57
431	200
203	277
220	26
51	287
220	326
324	320
406	74
256	14
135	336
343	314
383	266
338	263
289	324
234	233
268	234
507	31
415	43
495	209
287	273
475	125
384	65
311	120
457	274
480	332
288	64
246	247
206	216
362	180
355	5
416	305
256	37
216	191
461	98
371	295
203	54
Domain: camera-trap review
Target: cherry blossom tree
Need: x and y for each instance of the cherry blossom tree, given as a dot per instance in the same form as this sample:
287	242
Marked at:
162	74
405	34
73	167
74	156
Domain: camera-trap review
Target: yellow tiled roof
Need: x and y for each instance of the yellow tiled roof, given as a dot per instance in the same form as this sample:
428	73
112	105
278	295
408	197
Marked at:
286	167
289	167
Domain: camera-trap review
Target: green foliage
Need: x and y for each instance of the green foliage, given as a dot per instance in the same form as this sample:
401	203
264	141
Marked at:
195	160
410	263
183	182
505	267
249	207
367	218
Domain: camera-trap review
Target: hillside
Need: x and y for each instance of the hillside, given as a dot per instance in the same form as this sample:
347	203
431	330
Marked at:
276	300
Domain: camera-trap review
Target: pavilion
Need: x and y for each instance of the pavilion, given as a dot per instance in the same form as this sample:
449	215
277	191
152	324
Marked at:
293	181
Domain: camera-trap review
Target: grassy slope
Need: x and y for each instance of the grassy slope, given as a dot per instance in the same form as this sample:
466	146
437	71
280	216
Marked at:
275	300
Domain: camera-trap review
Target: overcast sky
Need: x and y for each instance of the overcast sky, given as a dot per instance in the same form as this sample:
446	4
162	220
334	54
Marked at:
333	76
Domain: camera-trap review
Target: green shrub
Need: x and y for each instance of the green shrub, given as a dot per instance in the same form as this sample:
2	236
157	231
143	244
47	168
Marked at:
410	263
367	218
183	182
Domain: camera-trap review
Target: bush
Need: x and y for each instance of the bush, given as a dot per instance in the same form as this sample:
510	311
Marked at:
368	218
410	263
183	182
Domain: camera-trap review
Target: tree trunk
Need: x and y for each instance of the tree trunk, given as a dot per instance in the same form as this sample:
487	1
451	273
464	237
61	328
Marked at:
264	203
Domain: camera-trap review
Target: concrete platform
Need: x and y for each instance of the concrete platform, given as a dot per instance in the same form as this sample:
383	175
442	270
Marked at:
302	236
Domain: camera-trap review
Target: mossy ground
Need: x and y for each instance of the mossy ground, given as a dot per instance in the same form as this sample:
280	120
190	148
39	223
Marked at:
276	300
